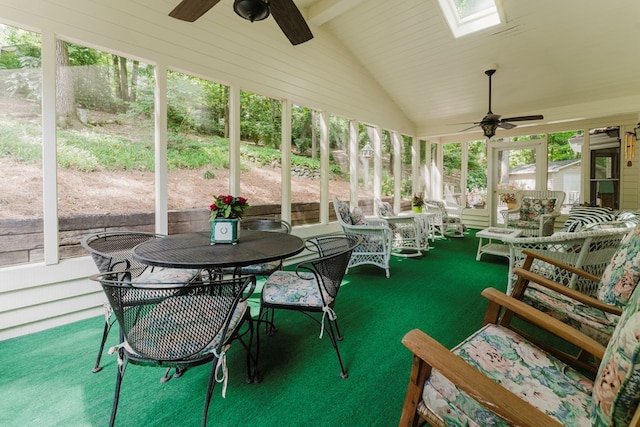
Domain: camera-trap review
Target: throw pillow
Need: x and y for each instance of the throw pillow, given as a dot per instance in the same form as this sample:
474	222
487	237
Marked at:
357	216
531	208
343	210
581	215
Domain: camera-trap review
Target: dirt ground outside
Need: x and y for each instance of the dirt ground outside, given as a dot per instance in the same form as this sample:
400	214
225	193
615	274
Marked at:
107	192
133	191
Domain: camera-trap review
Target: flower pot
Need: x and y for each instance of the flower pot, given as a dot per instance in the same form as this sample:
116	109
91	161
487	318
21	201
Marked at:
224	230
511	205
416	209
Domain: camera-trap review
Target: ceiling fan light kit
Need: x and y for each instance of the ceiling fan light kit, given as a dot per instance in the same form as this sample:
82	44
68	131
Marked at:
284	12
491	122
252	10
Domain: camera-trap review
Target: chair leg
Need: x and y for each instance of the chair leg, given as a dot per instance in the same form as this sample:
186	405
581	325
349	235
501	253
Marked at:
119	375
210	386
334	342
105	334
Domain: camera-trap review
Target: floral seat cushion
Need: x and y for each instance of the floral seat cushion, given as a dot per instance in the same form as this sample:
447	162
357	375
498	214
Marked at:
286	287
595	323
167	276
517	365
619	280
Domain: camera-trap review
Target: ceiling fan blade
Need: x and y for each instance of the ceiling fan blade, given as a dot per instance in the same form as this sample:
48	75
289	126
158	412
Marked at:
506	125
190	10
469	128
523	118
290	21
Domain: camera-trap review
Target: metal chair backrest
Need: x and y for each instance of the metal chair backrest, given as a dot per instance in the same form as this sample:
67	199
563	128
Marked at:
334	252
113	251
173	321
265	224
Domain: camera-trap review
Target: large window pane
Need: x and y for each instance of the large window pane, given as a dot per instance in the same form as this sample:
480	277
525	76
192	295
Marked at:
339	158
105	145
260	133
477	174
21	238
197	141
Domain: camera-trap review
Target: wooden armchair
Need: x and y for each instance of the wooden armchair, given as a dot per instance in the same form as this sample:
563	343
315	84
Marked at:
590	251
497	377
597	315
535	212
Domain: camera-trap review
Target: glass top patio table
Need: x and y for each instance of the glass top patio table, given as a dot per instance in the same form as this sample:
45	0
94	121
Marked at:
195	251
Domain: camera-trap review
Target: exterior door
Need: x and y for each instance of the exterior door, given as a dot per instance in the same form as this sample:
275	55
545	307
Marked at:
514	166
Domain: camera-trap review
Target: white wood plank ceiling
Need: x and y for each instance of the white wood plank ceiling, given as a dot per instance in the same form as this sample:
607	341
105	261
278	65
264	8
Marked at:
567	60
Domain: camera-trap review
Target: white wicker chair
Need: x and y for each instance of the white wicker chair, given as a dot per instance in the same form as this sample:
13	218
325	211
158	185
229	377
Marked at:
407	230
377	238
444	223
590	251
527	216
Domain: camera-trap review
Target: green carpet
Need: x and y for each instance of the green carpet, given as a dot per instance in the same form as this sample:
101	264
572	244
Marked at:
47	380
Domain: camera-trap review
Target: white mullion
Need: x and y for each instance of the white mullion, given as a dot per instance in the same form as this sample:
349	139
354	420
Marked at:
160	140
49	149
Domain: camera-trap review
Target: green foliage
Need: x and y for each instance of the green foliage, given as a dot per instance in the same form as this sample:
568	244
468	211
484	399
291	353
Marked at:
558	147
20	141
260	119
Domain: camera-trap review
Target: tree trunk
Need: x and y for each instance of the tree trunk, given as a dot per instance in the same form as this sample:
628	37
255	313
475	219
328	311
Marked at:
66	113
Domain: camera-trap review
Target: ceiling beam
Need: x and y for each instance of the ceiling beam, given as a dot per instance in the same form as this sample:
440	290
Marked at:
325	10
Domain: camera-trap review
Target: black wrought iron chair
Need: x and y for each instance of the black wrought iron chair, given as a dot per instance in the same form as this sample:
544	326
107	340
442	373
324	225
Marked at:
275	225
112	251
178	325
312	288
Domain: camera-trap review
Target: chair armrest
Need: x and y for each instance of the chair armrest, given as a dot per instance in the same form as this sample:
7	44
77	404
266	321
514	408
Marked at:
498	300
529	276
531	255
374	221
498	399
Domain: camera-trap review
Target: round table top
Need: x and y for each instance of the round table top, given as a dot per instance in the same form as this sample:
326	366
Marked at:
194	250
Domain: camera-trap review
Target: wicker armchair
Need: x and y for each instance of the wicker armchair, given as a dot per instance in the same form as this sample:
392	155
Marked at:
587	250
407	230
535	212
444	223
377	237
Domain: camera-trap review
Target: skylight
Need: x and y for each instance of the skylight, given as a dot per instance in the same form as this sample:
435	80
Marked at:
468	16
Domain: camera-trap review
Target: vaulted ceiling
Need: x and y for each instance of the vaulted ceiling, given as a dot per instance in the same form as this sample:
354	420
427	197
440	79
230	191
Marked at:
567	60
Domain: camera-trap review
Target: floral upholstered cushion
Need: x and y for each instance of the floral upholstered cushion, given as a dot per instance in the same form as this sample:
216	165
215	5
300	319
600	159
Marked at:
165	276
621	276
357	216
345	214
531	209
288	288
595	323
616	390
517	365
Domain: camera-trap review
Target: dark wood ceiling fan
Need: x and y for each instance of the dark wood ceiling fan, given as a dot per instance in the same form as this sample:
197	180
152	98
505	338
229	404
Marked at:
491	122
285	12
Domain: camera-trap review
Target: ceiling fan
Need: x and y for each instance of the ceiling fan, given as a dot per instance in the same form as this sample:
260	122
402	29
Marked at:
285	12
491	122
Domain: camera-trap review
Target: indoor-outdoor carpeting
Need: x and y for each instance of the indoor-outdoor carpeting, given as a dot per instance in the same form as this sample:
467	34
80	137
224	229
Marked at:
47	380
